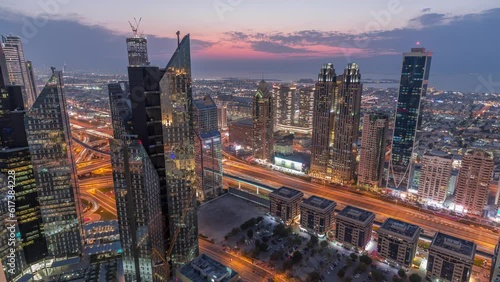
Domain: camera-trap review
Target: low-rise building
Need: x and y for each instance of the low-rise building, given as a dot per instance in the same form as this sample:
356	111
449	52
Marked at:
206	269
317	215
397	241
450	258
284	203
354	227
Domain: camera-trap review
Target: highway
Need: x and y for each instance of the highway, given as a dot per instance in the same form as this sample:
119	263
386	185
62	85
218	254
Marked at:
244	267
91	167
485	239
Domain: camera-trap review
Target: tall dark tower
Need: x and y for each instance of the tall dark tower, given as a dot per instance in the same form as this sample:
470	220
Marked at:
263	123
322	133
137	46
346	111
412	88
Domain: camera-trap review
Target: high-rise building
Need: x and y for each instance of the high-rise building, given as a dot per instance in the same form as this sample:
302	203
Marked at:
178	142
346	111
472	189
434	177
450	258
397	241
137	49
284	203
354	227
373	143
222	117
263	123
121	111
50	142
495	265
208	147
317	215
306	106
285	106
137	192
412	89
322	135
19	72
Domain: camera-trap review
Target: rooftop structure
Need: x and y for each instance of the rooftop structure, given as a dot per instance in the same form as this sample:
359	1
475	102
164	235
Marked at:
400	229
286	192
356	215
460	247
318	202
204	268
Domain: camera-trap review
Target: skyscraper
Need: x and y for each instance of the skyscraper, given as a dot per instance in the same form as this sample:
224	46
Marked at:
222	116
137	192
121	111
322	134
263	123
305	111
208	147
19	72
412	88
178	138
49	139
434	177
346	111
286	106
372	153
472	189
137	49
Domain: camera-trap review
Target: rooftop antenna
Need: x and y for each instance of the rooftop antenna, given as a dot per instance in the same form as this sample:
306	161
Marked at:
135	27
178	38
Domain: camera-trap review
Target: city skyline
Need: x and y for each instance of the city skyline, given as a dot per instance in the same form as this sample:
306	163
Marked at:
287	51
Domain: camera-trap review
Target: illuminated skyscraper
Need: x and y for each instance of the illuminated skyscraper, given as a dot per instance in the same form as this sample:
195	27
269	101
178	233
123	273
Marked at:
372	155
434	177
346	111
208	147
137	49
305	111
322	134
286	106
412	88
263	123
472	189
137	192
178	141
19	72
121	111
49	139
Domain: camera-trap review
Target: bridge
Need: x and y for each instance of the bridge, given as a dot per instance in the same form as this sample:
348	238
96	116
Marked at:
249	182
91	148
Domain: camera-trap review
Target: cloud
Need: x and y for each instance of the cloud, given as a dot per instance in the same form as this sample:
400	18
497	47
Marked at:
270	47
425	10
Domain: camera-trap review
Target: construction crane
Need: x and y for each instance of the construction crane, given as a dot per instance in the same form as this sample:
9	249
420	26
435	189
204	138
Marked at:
135	27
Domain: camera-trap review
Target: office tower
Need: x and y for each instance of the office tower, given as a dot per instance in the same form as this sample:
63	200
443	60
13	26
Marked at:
31	76
306	105
495	265
137	49
354	227
284	203
434	177
450	258
286	106
18	71
208	147
346	110
397	241
121	111
412	89
472	187
322	134
372	155
263	123
222	117
317	215
137	192
178	139
49	139
16	176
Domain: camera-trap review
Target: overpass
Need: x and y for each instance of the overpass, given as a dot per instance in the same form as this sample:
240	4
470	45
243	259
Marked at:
97	151
249	182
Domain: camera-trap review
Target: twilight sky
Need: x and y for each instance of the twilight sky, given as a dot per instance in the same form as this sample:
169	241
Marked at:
285	39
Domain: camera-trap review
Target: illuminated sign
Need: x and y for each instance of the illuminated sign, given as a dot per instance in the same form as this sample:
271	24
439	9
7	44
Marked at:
288	164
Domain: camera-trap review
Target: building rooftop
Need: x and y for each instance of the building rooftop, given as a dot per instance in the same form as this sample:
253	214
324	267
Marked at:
453	244
286	192
318	202
356	214
400	228
205	268
243	122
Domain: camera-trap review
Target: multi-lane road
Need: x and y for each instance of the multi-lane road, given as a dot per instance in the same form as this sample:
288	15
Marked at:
485	239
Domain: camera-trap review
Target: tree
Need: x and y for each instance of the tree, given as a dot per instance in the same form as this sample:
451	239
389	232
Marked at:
276	255
353	256
377	276
280	230
348	279
323	244
263	247
250	233
397	279
313	277
402	273
362	267
365	259
296	257
313	242
341	273
415	278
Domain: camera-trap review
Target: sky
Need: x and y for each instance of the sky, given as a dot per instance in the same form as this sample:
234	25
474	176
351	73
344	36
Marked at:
287	39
